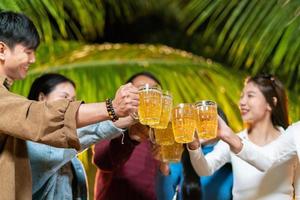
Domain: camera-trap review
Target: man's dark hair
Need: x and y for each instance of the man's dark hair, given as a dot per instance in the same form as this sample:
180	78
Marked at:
16	28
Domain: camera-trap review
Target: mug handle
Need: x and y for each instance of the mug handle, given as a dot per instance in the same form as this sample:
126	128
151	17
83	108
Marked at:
152	135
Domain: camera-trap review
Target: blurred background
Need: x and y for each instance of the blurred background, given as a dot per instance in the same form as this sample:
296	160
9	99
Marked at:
199	49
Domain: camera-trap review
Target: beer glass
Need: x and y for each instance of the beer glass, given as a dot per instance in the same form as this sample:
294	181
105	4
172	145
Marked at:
184	122
171	153
163	136
207	119
150	105
167	104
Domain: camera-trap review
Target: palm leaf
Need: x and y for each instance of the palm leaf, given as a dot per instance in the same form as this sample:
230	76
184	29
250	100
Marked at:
83	20
250	34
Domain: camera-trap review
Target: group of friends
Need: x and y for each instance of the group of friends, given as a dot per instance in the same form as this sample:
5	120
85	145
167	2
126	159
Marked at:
41	135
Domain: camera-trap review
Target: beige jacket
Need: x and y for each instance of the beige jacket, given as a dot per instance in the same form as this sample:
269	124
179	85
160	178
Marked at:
21	119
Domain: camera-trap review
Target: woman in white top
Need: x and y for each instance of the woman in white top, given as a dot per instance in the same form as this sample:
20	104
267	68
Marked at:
263	158
263	106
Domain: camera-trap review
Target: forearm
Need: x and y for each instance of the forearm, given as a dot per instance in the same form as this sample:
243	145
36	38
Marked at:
125	122
234	142
206	165
279	151
91	113
199	162
94	133
247	151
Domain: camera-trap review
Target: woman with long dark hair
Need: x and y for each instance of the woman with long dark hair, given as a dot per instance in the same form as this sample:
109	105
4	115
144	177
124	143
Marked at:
263	107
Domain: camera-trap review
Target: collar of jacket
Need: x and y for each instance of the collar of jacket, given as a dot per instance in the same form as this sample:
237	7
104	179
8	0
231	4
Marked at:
5	82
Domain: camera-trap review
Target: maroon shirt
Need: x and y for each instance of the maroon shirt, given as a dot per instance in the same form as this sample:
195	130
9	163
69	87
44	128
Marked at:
127	171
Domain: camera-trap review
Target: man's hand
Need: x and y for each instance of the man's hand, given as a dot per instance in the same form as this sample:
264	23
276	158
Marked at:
126	100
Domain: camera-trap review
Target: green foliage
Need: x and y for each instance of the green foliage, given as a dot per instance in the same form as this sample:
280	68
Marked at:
252	35
62	19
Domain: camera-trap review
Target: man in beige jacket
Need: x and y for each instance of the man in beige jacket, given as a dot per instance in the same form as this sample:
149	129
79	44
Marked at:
51	123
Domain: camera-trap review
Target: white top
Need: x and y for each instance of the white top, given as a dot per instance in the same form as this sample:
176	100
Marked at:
248	182
284	148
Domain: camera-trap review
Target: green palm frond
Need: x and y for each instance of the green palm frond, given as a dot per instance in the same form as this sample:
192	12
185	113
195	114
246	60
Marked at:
250	34
83	20
128	10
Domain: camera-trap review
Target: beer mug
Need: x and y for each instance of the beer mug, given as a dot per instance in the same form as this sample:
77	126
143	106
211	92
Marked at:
163	136
150	105
184	122
171	153
167	104
207	119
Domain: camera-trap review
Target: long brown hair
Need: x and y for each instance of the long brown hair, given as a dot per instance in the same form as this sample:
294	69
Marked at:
272	88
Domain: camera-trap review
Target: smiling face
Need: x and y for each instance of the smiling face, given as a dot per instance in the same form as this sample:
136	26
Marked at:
63	90
253	105
15	61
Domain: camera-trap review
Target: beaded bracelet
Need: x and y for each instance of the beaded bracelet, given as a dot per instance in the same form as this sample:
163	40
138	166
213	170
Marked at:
111	112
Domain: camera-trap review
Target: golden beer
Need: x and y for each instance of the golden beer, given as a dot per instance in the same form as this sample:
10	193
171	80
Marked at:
207	119
150	105
167	104
164	136
184	123
171	153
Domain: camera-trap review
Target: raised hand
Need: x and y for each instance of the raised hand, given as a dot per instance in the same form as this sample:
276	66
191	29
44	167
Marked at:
139	132
224	131
126	100
227	135
125	122
194	144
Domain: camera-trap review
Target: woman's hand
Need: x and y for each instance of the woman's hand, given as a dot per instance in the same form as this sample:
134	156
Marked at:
227	135
194	144
125	122
224	131
163	166
139	132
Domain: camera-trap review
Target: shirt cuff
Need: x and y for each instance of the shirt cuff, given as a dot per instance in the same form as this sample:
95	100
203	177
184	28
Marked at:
195	153
107	130
94	133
